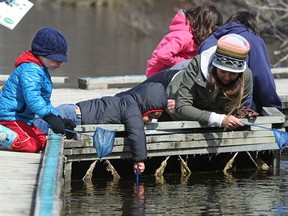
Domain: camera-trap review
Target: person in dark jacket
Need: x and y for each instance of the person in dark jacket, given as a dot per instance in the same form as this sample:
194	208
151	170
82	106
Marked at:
28	90
133	110
264	90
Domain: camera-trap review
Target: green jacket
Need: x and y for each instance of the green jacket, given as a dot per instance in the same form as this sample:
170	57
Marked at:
193	95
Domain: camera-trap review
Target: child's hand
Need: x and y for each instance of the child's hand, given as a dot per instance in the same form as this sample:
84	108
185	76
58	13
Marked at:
171	106
55	122
231	122
70	125
140	165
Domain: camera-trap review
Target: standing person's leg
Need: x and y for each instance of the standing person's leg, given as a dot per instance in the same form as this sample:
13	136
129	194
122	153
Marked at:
30	138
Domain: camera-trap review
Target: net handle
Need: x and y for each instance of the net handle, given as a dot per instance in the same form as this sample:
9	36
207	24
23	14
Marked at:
255	125
82	134
137	178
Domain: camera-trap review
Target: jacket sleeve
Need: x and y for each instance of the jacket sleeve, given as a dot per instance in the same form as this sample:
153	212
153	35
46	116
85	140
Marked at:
248	86
169	53
264	88
134	126
35	85
186	94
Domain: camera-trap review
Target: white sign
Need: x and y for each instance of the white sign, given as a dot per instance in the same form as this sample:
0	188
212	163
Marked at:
11	13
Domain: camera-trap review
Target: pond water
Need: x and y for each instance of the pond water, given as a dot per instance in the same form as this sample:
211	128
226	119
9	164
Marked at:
100	40
238	193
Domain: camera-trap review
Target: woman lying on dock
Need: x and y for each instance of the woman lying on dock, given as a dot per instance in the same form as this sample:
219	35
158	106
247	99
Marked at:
133	110
212	88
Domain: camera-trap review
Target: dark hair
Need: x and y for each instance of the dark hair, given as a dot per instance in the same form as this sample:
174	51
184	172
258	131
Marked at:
245	18
233	91
204	19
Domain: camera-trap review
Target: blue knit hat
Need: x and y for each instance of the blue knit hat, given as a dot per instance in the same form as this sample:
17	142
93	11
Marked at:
51	44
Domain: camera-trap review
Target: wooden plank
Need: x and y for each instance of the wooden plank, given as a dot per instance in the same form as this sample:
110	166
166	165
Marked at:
88	142
48	198
18	175
169	147
55	79
284	98
280	72
210	150
114	79
271	111
102	82
226	149
177	124
59	79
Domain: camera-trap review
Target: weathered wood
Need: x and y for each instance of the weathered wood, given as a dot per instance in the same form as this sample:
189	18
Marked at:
55	79
103	82
284	100
67	170
280	72
177	124
179	137
170	147
187	138
18	176
210	150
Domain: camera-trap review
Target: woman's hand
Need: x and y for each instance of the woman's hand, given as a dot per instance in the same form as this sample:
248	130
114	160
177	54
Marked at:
231	122
171	106
139	165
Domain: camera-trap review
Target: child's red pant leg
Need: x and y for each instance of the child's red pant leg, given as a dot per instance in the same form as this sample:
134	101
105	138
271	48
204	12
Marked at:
31	139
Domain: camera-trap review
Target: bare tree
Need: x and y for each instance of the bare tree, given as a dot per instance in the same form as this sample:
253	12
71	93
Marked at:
273	19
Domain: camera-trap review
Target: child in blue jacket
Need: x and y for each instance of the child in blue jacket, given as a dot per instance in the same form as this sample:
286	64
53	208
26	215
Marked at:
27	92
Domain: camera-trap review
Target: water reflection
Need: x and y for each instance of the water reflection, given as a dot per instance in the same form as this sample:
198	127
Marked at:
100	42
239	193
136	204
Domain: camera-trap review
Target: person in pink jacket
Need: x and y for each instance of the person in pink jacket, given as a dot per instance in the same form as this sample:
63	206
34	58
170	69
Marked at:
187	30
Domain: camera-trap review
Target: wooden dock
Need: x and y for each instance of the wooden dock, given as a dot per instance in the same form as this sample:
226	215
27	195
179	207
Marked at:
31	183
19	179
185	139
